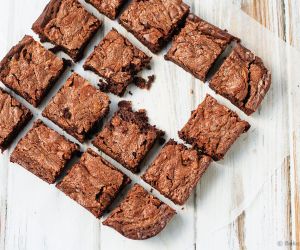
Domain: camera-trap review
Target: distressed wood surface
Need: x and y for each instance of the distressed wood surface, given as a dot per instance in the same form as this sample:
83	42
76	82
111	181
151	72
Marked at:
36	216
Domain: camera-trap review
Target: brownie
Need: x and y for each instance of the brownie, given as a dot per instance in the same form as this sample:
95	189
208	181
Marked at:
13	117
127	137
44	152
243	79
78	107
176	171
30	70
93	182
110	8
213	128
154	22
198	46
140	215
66	24
116	60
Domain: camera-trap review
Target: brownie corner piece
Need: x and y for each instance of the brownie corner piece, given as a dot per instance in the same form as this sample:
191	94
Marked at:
213	128
154	22
78	107
242	79
43	152
30	70
67	25
109	8
176	171
117	60
198	45
93	182
13	118
128	136
131	220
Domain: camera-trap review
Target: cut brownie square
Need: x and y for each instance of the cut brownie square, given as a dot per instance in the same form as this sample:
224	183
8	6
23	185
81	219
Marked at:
110	8
66	24
30	70
213	128
198	46
243	79
78	107
128	137
13	117
93	182
44	152
118	61
176	171
154	22
140	215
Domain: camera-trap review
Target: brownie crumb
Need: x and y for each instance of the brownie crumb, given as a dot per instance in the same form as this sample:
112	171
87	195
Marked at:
130	93
142	83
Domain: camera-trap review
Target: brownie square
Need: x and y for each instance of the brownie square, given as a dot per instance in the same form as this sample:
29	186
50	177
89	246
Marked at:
13	117
93	182
213	128
154	22
66	24
116	60
176	171
128	137
78	107
242	79
30	70
140	215
110	8
43	152
198	46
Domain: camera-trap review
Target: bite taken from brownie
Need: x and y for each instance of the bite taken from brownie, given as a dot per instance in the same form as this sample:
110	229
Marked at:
176	171
213	128
242	79
93	182
67	25
140	215
117	61
127	137
78	107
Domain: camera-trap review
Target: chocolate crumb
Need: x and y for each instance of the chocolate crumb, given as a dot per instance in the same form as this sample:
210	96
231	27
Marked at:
130	93
142	83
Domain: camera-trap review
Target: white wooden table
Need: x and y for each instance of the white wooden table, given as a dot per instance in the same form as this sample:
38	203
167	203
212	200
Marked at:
257	182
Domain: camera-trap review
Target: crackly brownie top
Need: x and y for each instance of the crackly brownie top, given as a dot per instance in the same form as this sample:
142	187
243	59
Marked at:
117	60
213	128
12	113
29	68
140	215
198	45
128	136
109	8
67	24
243	79
154	20
44	152
176	171
93	182
77	106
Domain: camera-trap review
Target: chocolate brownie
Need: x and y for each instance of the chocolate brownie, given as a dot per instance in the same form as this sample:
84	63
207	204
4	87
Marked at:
198	46
243	79
176	171
66	24
140	215
43	152
154	22
110	8
13	117
213	128
93	182
78	107
128	137
30	70
118	61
